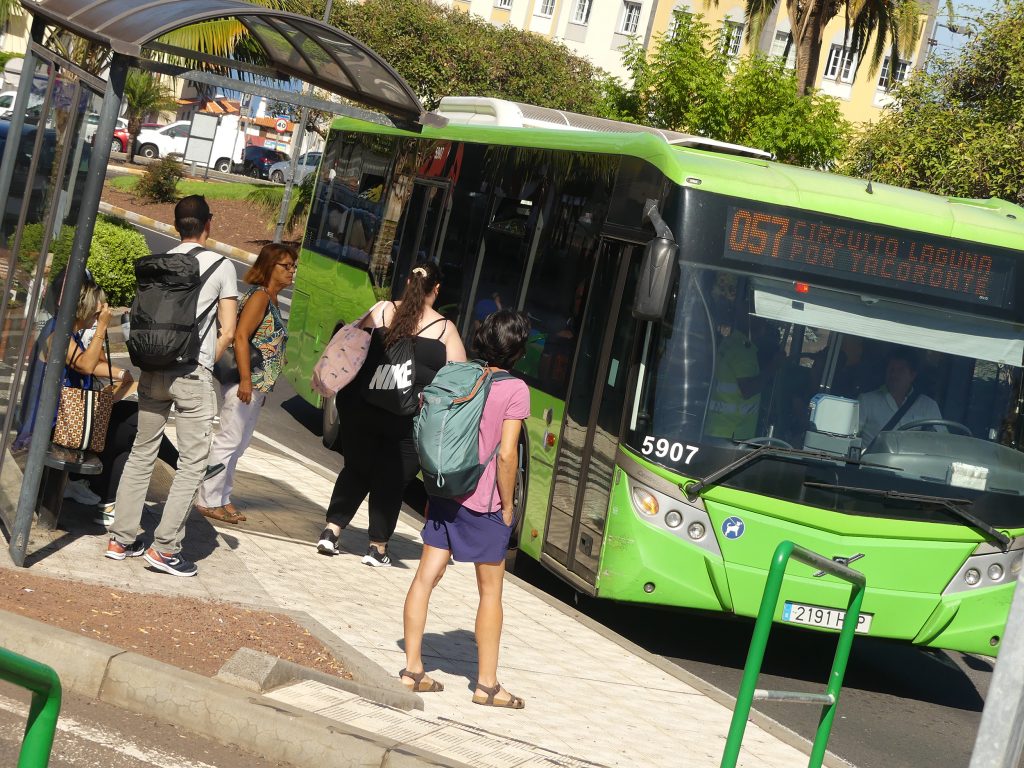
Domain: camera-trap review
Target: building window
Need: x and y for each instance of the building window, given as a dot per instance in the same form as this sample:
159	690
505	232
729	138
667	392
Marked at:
840	64
898	73
581	13
547	8
630	18
782	45
677	16
506	4
732	38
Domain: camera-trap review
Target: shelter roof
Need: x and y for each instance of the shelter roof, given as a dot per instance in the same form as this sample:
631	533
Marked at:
294	45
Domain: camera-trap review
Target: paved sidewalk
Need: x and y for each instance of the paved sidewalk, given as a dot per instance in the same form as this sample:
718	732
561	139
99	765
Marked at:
591	699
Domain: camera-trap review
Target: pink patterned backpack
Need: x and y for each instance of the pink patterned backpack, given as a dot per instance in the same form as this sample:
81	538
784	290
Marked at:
343	357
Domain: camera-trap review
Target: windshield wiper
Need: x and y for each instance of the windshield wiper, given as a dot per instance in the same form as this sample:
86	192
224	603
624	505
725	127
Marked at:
692	490
956	507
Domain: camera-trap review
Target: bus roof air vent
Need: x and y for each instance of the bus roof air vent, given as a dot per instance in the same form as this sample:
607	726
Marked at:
479	110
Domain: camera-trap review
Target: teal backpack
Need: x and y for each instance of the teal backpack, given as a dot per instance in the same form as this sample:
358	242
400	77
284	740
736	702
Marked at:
447	428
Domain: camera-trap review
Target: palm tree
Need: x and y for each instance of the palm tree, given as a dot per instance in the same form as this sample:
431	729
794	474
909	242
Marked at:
143	95
875	24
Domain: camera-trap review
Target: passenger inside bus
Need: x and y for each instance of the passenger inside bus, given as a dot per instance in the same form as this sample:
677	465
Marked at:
896	402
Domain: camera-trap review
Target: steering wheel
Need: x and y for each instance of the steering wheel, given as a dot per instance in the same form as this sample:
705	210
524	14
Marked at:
953	426
768	441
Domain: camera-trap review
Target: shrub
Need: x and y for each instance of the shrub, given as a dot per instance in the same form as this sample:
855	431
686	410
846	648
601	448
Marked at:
115	246
159	184
32	240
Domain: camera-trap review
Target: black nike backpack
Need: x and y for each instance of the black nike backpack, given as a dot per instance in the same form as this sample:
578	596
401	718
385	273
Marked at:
164	321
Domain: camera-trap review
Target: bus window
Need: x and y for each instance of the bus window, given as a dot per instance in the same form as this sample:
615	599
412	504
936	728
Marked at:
345	215
558	283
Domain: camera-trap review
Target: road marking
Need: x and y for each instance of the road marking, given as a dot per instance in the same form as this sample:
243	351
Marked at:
110	740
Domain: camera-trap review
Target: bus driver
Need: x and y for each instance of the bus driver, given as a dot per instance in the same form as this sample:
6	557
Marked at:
896	402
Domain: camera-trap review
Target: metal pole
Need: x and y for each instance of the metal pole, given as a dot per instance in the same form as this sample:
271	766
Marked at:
1001	733
44	709
293	164
66	313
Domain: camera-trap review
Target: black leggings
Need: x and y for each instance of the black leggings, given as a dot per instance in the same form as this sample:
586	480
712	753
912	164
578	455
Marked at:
124	423
380	465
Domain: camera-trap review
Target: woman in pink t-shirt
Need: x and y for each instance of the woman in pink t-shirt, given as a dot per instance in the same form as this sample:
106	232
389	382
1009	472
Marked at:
476	528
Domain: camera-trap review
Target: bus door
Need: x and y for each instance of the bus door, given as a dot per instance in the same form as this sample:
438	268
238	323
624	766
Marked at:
421	229
595	406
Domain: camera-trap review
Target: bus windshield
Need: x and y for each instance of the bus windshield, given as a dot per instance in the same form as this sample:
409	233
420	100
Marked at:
928	401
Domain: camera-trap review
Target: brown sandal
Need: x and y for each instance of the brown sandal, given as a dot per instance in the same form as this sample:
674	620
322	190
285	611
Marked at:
514	702
218	513
232	510
421	683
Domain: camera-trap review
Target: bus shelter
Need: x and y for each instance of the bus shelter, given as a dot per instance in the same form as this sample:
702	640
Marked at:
56	146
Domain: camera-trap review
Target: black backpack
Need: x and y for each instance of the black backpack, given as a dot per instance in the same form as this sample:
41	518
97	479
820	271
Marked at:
389	374
164	324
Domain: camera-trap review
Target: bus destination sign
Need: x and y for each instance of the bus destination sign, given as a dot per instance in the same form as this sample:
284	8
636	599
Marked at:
878	256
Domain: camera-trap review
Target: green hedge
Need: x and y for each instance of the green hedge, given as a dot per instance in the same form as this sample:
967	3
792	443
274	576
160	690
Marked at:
116	245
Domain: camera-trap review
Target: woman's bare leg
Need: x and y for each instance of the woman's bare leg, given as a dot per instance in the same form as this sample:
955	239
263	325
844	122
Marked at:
433	563
489	616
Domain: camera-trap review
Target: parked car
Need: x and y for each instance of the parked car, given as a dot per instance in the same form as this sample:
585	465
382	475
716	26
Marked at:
307	164
256	161
163	141
7	102
120	141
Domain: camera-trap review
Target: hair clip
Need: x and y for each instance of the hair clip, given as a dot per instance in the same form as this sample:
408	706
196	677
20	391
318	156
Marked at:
420	271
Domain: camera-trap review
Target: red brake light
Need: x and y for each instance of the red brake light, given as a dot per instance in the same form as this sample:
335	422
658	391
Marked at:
802	287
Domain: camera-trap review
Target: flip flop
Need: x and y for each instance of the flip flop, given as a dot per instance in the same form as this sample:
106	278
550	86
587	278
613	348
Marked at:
421	683
218	513
514	702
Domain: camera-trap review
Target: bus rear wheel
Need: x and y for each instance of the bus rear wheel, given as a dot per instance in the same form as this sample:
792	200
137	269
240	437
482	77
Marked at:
522	482
331	425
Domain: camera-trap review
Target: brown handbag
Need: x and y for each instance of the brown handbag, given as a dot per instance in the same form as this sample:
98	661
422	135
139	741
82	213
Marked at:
83	415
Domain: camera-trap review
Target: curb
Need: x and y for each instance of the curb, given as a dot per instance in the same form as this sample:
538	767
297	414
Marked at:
166	229
205	706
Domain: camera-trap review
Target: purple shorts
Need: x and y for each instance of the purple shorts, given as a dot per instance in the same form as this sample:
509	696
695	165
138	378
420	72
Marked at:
471	537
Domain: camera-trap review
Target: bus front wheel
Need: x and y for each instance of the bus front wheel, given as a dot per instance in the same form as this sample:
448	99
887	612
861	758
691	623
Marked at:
332	425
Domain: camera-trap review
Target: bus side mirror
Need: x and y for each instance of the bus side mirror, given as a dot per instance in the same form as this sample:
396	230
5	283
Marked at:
655	283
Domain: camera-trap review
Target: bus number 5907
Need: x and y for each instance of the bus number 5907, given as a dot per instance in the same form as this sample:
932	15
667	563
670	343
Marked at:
660	448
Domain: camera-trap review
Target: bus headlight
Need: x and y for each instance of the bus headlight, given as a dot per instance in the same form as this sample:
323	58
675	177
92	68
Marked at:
673	518
988	566
645	501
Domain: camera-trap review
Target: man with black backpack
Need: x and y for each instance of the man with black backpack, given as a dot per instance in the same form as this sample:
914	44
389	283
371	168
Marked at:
182	296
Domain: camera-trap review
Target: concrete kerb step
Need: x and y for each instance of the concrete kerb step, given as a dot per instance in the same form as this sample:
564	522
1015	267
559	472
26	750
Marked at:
145	221
208	707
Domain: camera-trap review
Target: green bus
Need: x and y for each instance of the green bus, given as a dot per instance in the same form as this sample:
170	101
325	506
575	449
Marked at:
725	352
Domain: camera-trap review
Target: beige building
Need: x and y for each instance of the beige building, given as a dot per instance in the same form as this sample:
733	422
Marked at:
598	28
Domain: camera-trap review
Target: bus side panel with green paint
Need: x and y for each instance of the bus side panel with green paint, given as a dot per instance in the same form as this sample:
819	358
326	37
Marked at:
834	364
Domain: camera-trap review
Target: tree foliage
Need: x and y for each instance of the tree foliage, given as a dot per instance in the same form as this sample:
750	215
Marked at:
442	51
959	129
688	84
144	94
872	27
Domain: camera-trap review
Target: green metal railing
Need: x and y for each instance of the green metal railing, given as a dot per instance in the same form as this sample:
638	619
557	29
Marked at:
755	656
44	710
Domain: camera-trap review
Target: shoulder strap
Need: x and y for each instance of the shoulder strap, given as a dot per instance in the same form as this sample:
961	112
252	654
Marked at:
202	281
911	399
435	322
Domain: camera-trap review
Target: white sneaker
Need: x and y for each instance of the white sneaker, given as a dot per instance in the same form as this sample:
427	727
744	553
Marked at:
106	515
79	491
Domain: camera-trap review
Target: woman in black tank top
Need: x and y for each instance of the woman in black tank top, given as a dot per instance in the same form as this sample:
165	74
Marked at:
380	455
